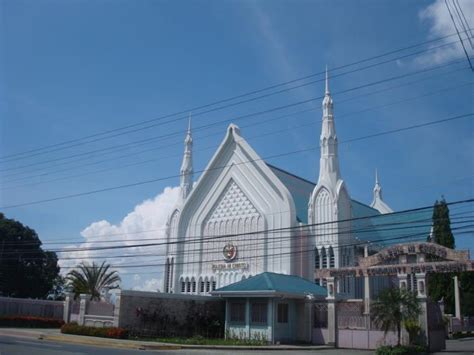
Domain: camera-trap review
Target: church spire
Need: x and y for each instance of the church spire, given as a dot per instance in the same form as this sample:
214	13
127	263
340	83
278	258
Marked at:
186	172
378	202
329	162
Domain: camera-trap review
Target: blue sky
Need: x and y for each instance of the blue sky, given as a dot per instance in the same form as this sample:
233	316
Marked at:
74	68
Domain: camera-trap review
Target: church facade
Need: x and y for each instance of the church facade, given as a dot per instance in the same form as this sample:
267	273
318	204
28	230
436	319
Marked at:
244	217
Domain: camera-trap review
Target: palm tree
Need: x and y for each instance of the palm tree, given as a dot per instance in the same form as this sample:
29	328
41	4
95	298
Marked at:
393	307
91	279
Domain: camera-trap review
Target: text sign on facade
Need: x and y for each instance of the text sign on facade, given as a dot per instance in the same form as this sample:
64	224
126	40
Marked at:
230	266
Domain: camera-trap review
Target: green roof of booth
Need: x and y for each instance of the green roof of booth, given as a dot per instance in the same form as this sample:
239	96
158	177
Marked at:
270	284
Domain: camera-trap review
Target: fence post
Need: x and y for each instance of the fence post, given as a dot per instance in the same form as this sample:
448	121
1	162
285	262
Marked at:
421	280
117	309
332	317
82	307
67	308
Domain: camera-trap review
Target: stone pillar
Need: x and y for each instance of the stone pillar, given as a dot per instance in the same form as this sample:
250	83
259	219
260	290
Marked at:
67	307
332	316
82	308
422	299
118	299
457	300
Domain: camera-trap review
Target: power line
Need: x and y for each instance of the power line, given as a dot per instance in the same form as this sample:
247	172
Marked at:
260	122
414	236
194	109
455	214
245	162
271	110
459	35
273	230
246	244
462	18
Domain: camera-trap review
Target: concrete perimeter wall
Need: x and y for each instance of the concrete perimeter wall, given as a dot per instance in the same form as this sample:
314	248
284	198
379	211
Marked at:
364	339
165	315
28	307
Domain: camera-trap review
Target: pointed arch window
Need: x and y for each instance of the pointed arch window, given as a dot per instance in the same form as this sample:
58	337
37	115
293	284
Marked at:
317	259
324	258
331	258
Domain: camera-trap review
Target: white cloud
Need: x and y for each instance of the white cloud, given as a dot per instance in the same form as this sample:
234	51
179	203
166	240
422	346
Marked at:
440	24
151	216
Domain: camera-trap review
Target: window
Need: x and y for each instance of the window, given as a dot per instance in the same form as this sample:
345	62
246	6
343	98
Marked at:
202	286
237	312
213	285
188	286
193	285
324	257
282	313
316	258
331	258
259	312
183	287
207	286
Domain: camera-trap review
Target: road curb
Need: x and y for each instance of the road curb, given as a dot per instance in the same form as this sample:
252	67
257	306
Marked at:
137	345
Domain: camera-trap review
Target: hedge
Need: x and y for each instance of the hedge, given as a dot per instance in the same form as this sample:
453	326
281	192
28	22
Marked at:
401	350
107	332
30	322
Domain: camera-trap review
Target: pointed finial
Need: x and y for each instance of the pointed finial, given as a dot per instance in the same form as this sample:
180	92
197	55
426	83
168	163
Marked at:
327	81
189	123
376	177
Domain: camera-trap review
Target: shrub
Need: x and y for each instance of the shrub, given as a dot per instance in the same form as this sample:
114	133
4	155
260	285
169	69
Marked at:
30	322
107	332
401	350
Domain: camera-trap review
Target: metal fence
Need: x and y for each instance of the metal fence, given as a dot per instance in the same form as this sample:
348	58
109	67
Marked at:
28	307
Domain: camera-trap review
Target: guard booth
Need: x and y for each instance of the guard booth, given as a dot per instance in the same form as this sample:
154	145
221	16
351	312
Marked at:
271	307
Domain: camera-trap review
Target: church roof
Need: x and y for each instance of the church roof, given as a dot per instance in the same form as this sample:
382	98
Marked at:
272	284
381	229
300	189
390	228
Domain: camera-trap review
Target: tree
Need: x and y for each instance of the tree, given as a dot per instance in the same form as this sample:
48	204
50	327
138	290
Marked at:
26	270
92	279
442	233
394	307
57	292
440	286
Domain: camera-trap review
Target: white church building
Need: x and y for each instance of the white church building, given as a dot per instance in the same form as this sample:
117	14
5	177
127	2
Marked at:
244	217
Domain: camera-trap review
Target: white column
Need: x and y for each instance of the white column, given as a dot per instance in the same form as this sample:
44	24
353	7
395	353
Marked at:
332	320
118	299
422	299
67	307
82	307
457	300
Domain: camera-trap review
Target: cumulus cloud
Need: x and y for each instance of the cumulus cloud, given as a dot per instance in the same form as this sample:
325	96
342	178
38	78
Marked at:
146	221
440	24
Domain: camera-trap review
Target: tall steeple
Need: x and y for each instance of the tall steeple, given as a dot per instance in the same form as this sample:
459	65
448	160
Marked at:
378	202
329	162
186	172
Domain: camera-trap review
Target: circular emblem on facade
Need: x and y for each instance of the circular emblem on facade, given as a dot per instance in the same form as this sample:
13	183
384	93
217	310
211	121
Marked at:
229	251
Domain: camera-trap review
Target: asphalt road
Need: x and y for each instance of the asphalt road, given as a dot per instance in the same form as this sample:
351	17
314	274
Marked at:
30	346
